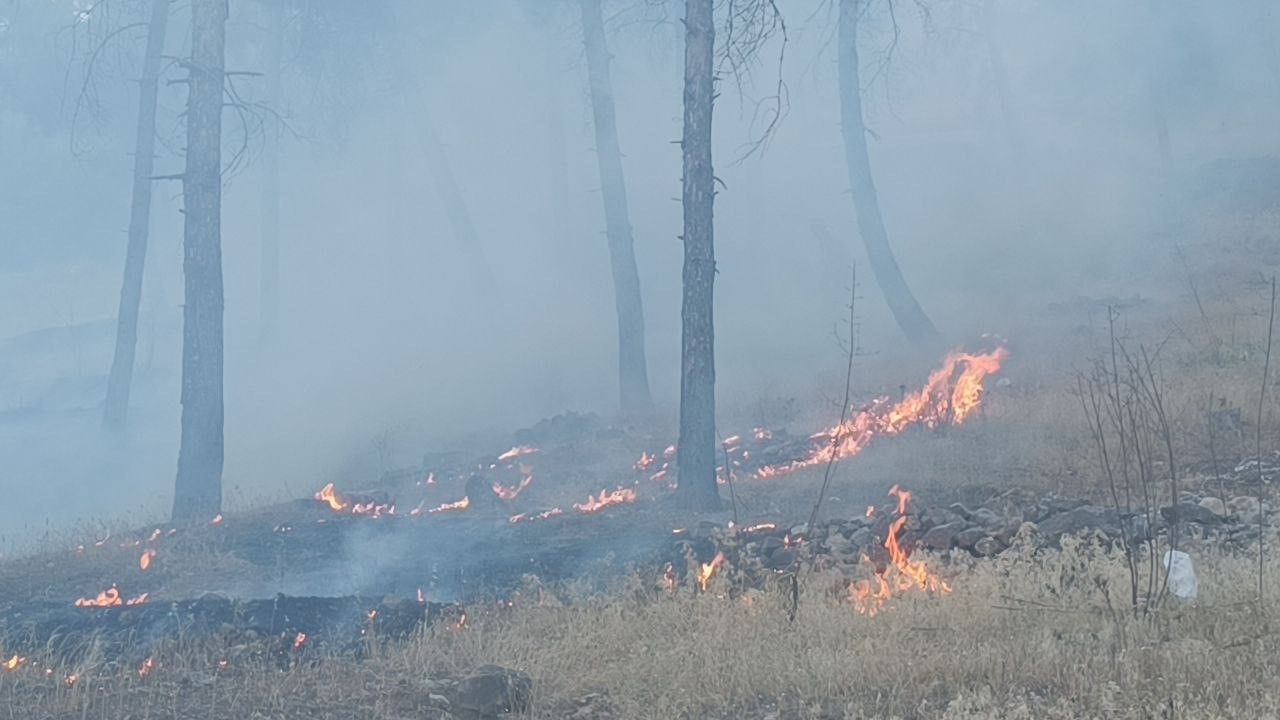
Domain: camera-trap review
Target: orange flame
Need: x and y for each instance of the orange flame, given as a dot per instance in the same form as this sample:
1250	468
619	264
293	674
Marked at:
707	572
217	519
422	598
147	666
606	498
462	504
525	517
328	495
299	640
515	452
70	680
669	578
155	535
761	526
902	575
871	510
148	556
14	663
645	462
111	598
507	493
941	401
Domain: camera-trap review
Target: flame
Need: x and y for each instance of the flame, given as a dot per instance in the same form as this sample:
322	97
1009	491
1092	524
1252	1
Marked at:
902	574
328	495
507	493
217	519
761	434
111	598
645	462
523	517
461	624
941	401
761	526
670	452
462	504
707	572
515	452
422	599
148	556
299	640
14	663
606	498
147	666
70	680
155	535
871	510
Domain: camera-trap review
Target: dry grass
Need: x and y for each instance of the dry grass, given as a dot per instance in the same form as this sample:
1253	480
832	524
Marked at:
1024	636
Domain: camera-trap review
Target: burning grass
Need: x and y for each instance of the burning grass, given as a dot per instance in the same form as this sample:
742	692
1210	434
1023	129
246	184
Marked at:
1040	635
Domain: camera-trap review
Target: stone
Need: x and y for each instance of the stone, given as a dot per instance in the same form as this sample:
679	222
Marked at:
1085	517
988	547
863	538
1215	506
439	687
961	510
781	560
1245	509
1189	512
769	545
490	689
988	518
942	537
969	537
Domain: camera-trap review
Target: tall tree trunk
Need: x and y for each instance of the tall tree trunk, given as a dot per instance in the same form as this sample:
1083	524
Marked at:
633	376
269	278
696	458
198	490
902	303
120	381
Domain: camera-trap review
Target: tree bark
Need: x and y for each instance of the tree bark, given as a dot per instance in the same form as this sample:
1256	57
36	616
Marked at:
198	489
120	381
696	451
633	375
902	303
269	277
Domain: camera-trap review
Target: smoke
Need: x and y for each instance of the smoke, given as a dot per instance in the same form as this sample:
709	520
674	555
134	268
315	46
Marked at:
1016	148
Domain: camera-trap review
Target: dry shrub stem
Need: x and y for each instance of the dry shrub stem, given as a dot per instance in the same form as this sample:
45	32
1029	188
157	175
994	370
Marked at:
1262	394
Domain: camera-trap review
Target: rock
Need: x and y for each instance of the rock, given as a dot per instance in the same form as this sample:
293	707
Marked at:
942	537
1053	505
1189	512
490	689
801	530
863	538
1085	517
988	547
781	560
988	518
769	545
961	510
1186	496
1215	506
1245	509
935	516
968	538
439	687
439	701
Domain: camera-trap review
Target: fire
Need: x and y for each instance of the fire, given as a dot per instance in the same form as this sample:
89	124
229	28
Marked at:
516	452
606	498
669	578
422	598
328	495
462	504
943	400
155	535
299	640
645	462
902	575
147	666
461	624
707	572
761	526
506	493
145	561
70	680
524	517
111	598
14	663
217	519
871	510
761	434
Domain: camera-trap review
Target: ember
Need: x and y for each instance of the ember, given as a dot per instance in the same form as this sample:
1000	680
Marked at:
147	666
14	663
462	504
328	495
299	640
606	498
148	556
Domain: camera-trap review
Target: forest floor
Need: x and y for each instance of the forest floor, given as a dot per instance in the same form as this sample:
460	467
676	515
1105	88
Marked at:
1032	633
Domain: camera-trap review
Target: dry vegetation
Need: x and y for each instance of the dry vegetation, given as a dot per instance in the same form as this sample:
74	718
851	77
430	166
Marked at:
1024	636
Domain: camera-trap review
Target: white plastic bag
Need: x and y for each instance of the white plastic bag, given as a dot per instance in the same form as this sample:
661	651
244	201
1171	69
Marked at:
1182	576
